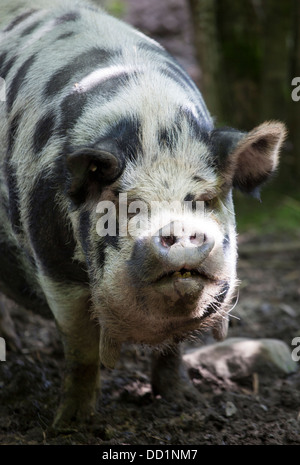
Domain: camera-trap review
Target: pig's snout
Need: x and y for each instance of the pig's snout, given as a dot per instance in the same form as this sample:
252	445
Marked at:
179	247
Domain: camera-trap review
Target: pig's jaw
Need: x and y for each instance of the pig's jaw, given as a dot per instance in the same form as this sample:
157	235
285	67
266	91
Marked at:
169	308
150	321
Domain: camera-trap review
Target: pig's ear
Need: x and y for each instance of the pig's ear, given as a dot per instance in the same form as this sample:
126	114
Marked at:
247	160
90	170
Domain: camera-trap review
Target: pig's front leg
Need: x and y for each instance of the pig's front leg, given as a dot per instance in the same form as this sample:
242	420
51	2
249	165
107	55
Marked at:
169	377
80	337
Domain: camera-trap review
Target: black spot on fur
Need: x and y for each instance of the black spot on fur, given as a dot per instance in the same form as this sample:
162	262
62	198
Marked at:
12	132
163	137
113	241
30	28
72	107
18	80
79	67
175	72
43	132
168	136
2	60
141	266
14	282
222	142
126	133
51	234
6	66
13	195
18	20
66	35
84	231
190	202
101	247
189	198
105	242
196	128
197	178
100	253
66	18
13	192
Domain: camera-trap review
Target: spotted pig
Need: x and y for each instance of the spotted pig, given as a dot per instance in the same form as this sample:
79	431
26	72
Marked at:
115	193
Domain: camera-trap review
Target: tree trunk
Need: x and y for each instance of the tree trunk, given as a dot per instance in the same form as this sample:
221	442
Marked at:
275	70
203	13
238	29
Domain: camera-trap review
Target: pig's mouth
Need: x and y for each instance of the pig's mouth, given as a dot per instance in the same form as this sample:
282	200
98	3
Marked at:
184	274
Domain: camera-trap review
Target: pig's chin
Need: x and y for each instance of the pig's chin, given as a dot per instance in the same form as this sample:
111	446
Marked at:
153	331
184	293
167	311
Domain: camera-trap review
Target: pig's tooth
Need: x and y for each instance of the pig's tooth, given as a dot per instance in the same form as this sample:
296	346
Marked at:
187	274
176	274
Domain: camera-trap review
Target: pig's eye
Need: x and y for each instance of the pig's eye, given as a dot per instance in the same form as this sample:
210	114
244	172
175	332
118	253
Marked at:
93	167
209	203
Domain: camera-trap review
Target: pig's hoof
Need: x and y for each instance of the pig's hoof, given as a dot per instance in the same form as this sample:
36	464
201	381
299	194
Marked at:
179	392
71	416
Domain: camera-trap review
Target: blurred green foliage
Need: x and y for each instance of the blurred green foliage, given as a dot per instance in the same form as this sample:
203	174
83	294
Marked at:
275	213
116	8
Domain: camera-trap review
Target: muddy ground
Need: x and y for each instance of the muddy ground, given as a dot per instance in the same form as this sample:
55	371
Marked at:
267	407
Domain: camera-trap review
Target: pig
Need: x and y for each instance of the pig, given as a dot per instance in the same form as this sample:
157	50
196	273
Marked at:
116	194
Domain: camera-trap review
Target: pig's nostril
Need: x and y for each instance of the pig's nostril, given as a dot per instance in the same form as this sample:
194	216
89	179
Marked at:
193	238
168	241
197	239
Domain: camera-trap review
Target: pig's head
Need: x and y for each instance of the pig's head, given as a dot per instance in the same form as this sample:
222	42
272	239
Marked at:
156	225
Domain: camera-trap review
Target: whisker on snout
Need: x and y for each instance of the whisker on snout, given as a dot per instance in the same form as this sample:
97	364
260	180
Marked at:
226	208
234	305
225	314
